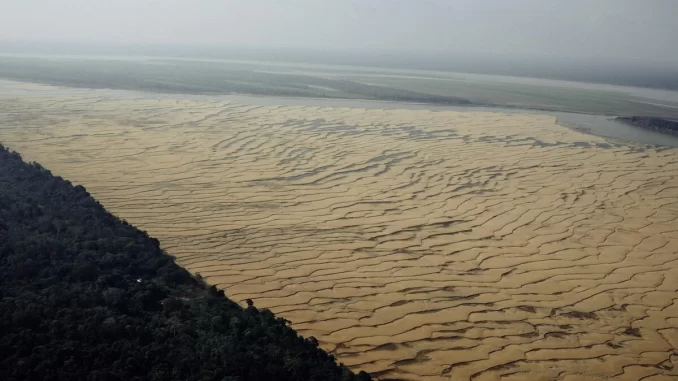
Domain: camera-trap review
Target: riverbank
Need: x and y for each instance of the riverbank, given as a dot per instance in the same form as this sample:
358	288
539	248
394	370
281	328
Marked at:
495	243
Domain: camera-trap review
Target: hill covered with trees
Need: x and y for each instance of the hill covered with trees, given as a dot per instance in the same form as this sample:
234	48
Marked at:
86	296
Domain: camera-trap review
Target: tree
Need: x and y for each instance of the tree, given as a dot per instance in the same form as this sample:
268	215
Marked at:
85	296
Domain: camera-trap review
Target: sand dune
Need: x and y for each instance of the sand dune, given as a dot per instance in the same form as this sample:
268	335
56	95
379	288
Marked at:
416	245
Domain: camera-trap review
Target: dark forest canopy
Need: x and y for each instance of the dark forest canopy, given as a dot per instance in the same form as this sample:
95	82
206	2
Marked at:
86	296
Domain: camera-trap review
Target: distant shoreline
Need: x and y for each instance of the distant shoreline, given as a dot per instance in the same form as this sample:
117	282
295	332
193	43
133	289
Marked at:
223	78
601	125
664	126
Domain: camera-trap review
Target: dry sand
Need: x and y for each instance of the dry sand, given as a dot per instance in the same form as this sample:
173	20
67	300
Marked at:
416	245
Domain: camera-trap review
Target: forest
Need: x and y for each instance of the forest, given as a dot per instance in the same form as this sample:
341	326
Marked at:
86	296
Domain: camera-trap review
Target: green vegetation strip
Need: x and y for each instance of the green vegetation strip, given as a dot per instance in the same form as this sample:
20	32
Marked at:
86	296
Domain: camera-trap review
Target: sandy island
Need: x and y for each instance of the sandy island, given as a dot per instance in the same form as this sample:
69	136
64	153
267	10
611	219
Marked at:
414	244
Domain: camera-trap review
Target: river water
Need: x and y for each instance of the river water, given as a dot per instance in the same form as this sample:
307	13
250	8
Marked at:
600	125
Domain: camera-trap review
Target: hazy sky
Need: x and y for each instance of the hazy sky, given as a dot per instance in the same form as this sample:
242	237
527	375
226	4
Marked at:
617	29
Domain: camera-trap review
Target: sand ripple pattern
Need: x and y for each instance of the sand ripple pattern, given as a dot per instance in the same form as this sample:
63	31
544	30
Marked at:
417	245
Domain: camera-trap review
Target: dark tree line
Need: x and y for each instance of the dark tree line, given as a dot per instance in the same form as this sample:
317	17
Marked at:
665	126
86	296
